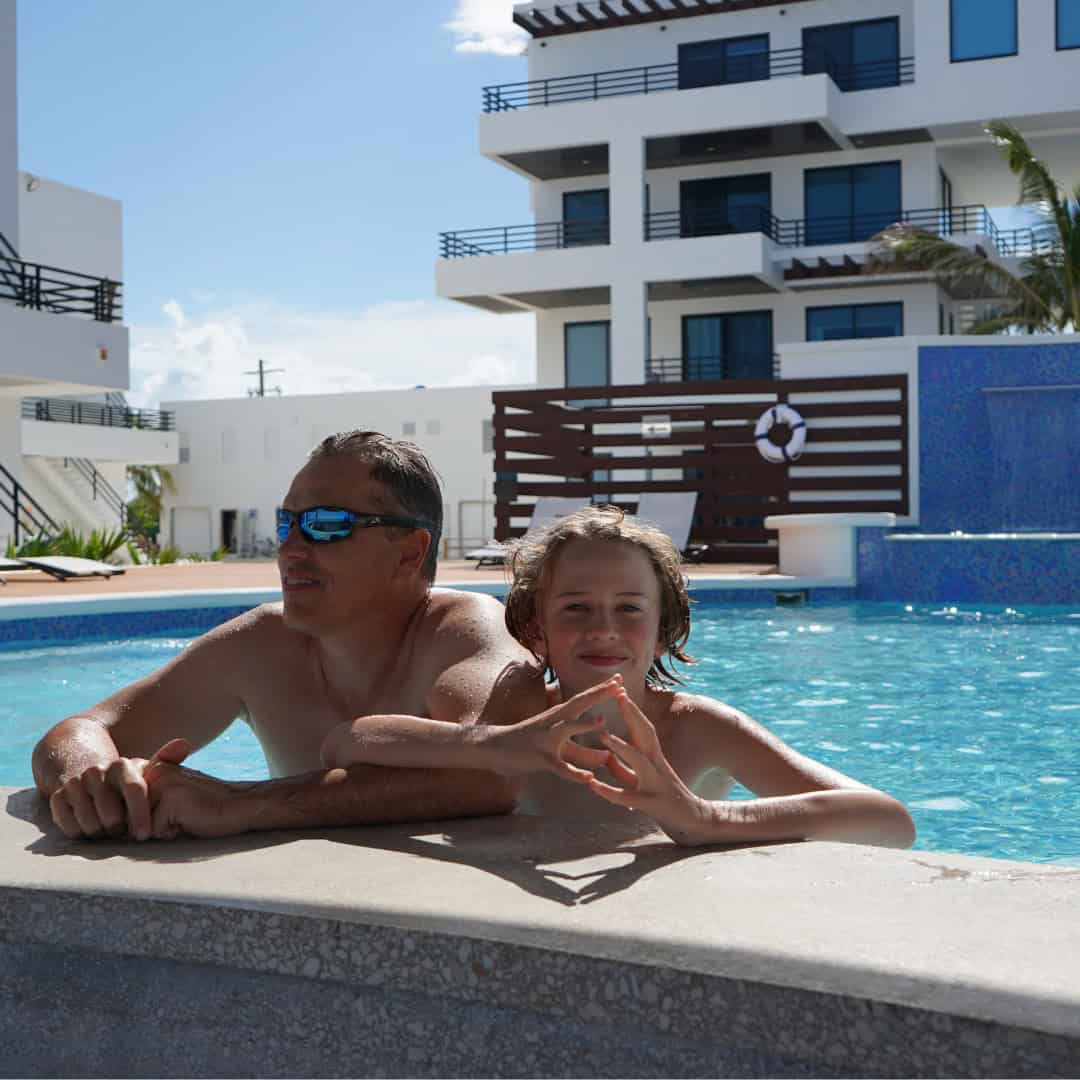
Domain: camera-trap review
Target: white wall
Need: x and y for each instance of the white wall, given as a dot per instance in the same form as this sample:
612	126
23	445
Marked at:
9	142
243	453
99	443
42	353
69	228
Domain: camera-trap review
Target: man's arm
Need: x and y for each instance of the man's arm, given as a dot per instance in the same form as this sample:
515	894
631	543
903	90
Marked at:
90	766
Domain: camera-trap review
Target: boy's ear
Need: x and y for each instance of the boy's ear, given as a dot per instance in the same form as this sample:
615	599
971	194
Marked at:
536	640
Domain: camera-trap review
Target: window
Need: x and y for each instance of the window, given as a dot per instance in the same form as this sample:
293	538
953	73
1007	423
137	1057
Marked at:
585	218
854	321
726	60
487	436
858	55
735	346
731	204
433	427
851	203
228	446
271	444
408	427
1068	24
981	29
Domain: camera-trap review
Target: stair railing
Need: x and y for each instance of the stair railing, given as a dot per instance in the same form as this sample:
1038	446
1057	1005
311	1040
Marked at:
26	513
100	487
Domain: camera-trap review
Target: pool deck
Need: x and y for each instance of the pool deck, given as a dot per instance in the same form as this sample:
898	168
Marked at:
263	574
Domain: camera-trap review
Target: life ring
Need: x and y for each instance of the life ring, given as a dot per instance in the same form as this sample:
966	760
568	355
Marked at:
792	450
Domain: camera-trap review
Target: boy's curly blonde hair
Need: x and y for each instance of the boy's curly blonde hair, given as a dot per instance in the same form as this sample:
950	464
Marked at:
530	563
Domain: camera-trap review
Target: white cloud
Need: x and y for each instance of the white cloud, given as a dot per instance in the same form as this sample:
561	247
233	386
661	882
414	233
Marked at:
486	26
384	346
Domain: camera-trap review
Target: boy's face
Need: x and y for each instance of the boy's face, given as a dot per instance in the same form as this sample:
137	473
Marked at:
600	614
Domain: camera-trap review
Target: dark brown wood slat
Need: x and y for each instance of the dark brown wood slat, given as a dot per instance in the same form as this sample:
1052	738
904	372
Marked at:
855	457
855	434
844	483
566	19
587	15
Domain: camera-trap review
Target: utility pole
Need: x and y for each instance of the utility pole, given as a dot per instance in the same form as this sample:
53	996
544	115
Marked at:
262	371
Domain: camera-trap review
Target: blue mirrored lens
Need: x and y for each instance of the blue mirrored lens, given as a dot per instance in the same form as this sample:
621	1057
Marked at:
326	524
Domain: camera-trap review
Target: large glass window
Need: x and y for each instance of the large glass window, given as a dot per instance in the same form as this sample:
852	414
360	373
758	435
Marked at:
726	60
735	346
1068	24
851	203
980	29
858	55
854	321
588	357
585	218
730	204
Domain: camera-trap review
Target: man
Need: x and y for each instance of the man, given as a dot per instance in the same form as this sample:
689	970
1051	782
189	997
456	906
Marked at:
359	633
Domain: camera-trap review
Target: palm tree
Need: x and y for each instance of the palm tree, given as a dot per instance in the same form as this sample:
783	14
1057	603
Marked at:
150	483
1044	297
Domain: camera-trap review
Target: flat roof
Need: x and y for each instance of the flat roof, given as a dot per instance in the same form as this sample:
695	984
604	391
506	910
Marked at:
574	18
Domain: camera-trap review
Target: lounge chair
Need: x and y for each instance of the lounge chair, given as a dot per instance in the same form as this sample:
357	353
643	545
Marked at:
546	509
9	564
672	512
68	566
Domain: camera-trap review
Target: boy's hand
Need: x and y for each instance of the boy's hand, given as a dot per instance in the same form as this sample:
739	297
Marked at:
649	783
544	743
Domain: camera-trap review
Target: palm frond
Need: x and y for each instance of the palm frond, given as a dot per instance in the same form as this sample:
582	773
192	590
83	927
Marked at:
1037	186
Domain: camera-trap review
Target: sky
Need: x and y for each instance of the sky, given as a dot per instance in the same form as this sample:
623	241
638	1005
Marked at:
285	170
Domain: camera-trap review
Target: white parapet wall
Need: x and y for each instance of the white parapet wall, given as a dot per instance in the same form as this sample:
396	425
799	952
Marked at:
822	545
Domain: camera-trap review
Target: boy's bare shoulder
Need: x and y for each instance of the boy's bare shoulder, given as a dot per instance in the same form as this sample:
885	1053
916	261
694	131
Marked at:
700	709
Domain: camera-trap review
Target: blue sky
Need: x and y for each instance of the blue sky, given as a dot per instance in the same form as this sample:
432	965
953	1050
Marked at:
285	170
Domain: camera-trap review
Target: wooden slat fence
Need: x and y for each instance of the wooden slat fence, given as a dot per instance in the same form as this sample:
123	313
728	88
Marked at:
612	443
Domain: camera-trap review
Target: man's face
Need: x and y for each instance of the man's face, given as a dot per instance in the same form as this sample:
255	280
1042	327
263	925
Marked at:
327	586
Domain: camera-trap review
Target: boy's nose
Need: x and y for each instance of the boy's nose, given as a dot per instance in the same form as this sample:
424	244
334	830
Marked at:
601	624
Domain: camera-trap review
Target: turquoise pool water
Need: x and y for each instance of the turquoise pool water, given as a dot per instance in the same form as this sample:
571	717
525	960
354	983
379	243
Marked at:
970	717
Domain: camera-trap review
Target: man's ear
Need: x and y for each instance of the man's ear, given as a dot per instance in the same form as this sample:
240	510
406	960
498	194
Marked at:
413	548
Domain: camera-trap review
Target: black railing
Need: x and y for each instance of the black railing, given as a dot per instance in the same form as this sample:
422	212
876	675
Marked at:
100	488
502	240
750	365
49	288
26	513
687	222
64	411
654	78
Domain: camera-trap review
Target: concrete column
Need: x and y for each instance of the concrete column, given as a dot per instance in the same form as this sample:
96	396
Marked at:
9	144
629	305
10	456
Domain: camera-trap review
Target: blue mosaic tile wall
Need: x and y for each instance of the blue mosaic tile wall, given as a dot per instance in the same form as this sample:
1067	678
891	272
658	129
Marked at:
56	628
989	462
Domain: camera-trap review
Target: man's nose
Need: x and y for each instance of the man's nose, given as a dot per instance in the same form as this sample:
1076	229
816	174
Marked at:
294	546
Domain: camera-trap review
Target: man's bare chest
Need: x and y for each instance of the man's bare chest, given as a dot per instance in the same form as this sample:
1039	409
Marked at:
292	711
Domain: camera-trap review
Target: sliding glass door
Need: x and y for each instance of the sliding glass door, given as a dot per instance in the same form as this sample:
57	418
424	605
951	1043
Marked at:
851	202
734	346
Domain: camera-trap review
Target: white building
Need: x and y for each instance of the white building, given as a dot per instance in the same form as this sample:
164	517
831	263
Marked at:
66	436
238	456
705	174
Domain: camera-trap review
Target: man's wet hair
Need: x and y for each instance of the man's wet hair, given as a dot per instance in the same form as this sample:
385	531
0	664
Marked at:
404	470
532	558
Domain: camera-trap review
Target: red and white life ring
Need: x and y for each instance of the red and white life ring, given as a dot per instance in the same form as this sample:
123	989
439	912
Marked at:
793	448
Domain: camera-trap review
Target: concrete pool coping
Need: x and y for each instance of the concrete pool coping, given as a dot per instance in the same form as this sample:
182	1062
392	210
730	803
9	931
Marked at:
846	960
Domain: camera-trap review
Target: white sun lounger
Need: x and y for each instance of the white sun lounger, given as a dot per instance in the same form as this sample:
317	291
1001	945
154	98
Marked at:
68	566
546	509
673	513
9	564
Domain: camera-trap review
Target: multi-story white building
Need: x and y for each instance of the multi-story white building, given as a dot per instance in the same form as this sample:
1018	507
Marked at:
66	434
705	175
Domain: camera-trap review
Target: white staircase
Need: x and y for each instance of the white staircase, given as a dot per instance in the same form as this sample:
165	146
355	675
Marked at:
69	496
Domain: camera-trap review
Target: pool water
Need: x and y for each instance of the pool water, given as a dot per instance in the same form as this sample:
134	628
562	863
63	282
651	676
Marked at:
972	718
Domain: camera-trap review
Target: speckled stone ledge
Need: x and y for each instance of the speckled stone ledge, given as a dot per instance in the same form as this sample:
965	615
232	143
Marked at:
515	947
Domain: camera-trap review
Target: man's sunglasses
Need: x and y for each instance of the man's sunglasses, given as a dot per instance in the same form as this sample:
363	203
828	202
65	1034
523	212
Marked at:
325	524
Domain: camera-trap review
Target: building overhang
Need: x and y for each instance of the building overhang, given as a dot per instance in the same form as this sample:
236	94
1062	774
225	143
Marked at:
555	20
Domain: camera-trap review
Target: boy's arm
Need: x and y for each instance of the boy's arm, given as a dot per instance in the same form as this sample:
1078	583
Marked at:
801	798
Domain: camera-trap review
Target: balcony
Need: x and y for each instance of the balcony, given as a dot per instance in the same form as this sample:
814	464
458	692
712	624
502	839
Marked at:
49	288
658	78
675	369
503	240
64	428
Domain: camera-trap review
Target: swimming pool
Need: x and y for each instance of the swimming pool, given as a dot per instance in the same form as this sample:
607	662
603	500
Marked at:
969	716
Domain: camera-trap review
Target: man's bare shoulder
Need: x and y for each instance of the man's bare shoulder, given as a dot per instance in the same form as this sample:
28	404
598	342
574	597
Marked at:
474	620
254	636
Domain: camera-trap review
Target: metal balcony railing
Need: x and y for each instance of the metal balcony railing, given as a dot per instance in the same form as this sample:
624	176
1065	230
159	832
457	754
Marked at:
669	369
687	222
50	288
654	78
64	411
503	240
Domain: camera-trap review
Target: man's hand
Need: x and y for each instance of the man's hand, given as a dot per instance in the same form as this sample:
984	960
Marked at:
649	783
184	801
111	801
544	743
